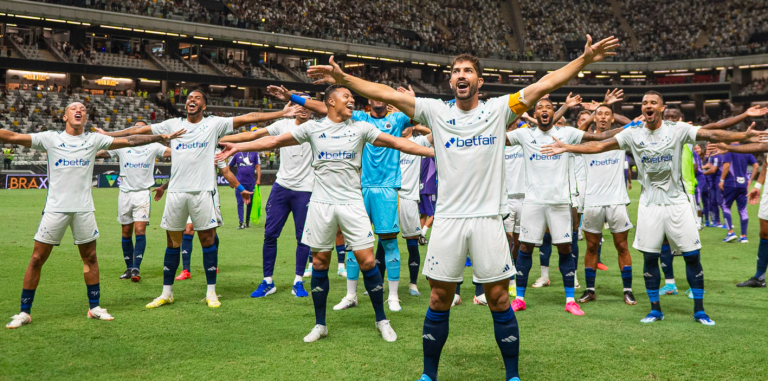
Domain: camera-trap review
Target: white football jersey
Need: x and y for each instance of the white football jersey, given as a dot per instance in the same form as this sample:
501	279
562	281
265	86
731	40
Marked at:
410	168
546	176
577	173
515	171
658	158
295	172
337	150
193	152
469	154
137	166
70	168
605	179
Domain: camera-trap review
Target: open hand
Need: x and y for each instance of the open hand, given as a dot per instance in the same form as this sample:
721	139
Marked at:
227	150
246	195
159	192
756	111
408	91
328	74
613	96
572	101
553	149
753	196
598	51
279	92
168	137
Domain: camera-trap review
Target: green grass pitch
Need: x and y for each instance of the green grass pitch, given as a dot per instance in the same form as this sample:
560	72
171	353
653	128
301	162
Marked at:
262	339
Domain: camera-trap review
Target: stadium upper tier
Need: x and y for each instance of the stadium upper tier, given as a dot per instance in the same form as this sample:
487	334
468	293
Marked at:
540	30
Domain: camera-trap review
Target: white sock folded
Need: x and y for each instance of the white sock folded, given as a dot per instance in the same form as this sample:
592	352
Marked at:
297	278
351	288
268	279
545	272
393	288
211	288
168	290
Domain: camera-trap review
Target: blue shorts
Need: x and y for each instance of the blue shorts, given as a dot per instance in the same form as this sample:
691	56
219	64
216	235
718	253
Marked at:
427	204
381	205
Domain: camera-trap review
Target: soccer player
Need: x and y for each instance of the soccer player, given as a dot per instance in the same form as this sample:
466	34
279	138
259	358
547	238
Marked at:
468	139
337	144
606	199
734	182
408	196
754	195
192	186
689	177
189	232
290	194
380	179
249	176
664	208
137	167
69	202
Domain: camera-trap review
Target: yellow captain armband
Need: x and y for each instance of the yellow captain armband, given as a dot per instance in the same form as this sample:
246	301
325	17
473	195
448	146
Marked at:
517	103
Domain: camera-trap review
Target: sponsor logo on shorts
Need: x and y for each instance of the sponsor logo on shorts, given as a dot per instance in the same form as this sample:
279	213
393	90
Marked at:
698	241
506	268
95	232
567	235
213	220
370	234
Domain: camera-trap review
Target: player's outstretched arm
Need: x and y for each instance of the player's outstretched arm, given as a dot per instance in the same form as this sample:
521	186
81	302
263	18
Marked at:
258	117
592	136
403	145
233	183
553	81
130	131
10	137
720	136
160	191
752	112
263	144
332	73
559	147
140	140
285	95
245	136
744	148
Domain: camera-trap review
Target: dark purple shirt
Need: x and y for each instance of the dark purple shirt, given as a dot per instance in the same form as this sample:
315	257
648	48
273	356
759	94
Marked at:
428	176
737	176
246	166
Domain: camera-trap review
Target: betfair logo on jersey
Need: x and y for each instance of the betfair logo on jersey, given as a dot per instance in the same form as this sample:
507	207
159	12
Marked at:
73	163
406	161
193	145
656	159
516	155
341	155
538	156
137	165
598	163
474	141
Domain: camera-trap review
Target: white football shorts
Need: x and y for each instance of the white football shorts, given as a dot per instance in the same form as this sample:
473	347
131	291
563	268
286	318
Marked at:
512	222
616	216
538	217
53	225
133	207
197	206
410	225
483	238
324	220
676	222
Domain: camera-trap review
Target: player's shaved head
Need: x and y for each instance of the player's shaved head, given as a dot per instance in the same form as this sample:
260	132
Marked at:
653	108
544	112
673	113
340	103
603	118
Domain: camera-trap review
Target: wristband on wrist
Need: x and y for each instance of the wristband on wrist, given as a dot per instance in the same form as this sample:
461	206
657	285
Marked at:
758	186
240	188
298	100
722	181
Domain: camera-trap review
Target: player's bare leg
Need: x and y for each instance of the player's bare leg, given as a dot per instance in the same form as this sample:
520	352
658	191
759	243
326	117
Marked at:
40	254
91	276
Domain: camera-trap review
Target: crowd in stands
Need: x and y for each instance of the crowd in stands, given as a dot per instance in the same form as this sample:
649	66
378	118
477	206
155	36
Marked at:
758	86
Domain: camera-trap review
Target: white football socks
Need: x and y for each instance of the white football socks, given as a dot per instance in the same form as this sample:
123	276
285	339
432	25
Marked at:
569	299
669	281
351	288
545	272
211	288
393	288
268	279
168	290
297	279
